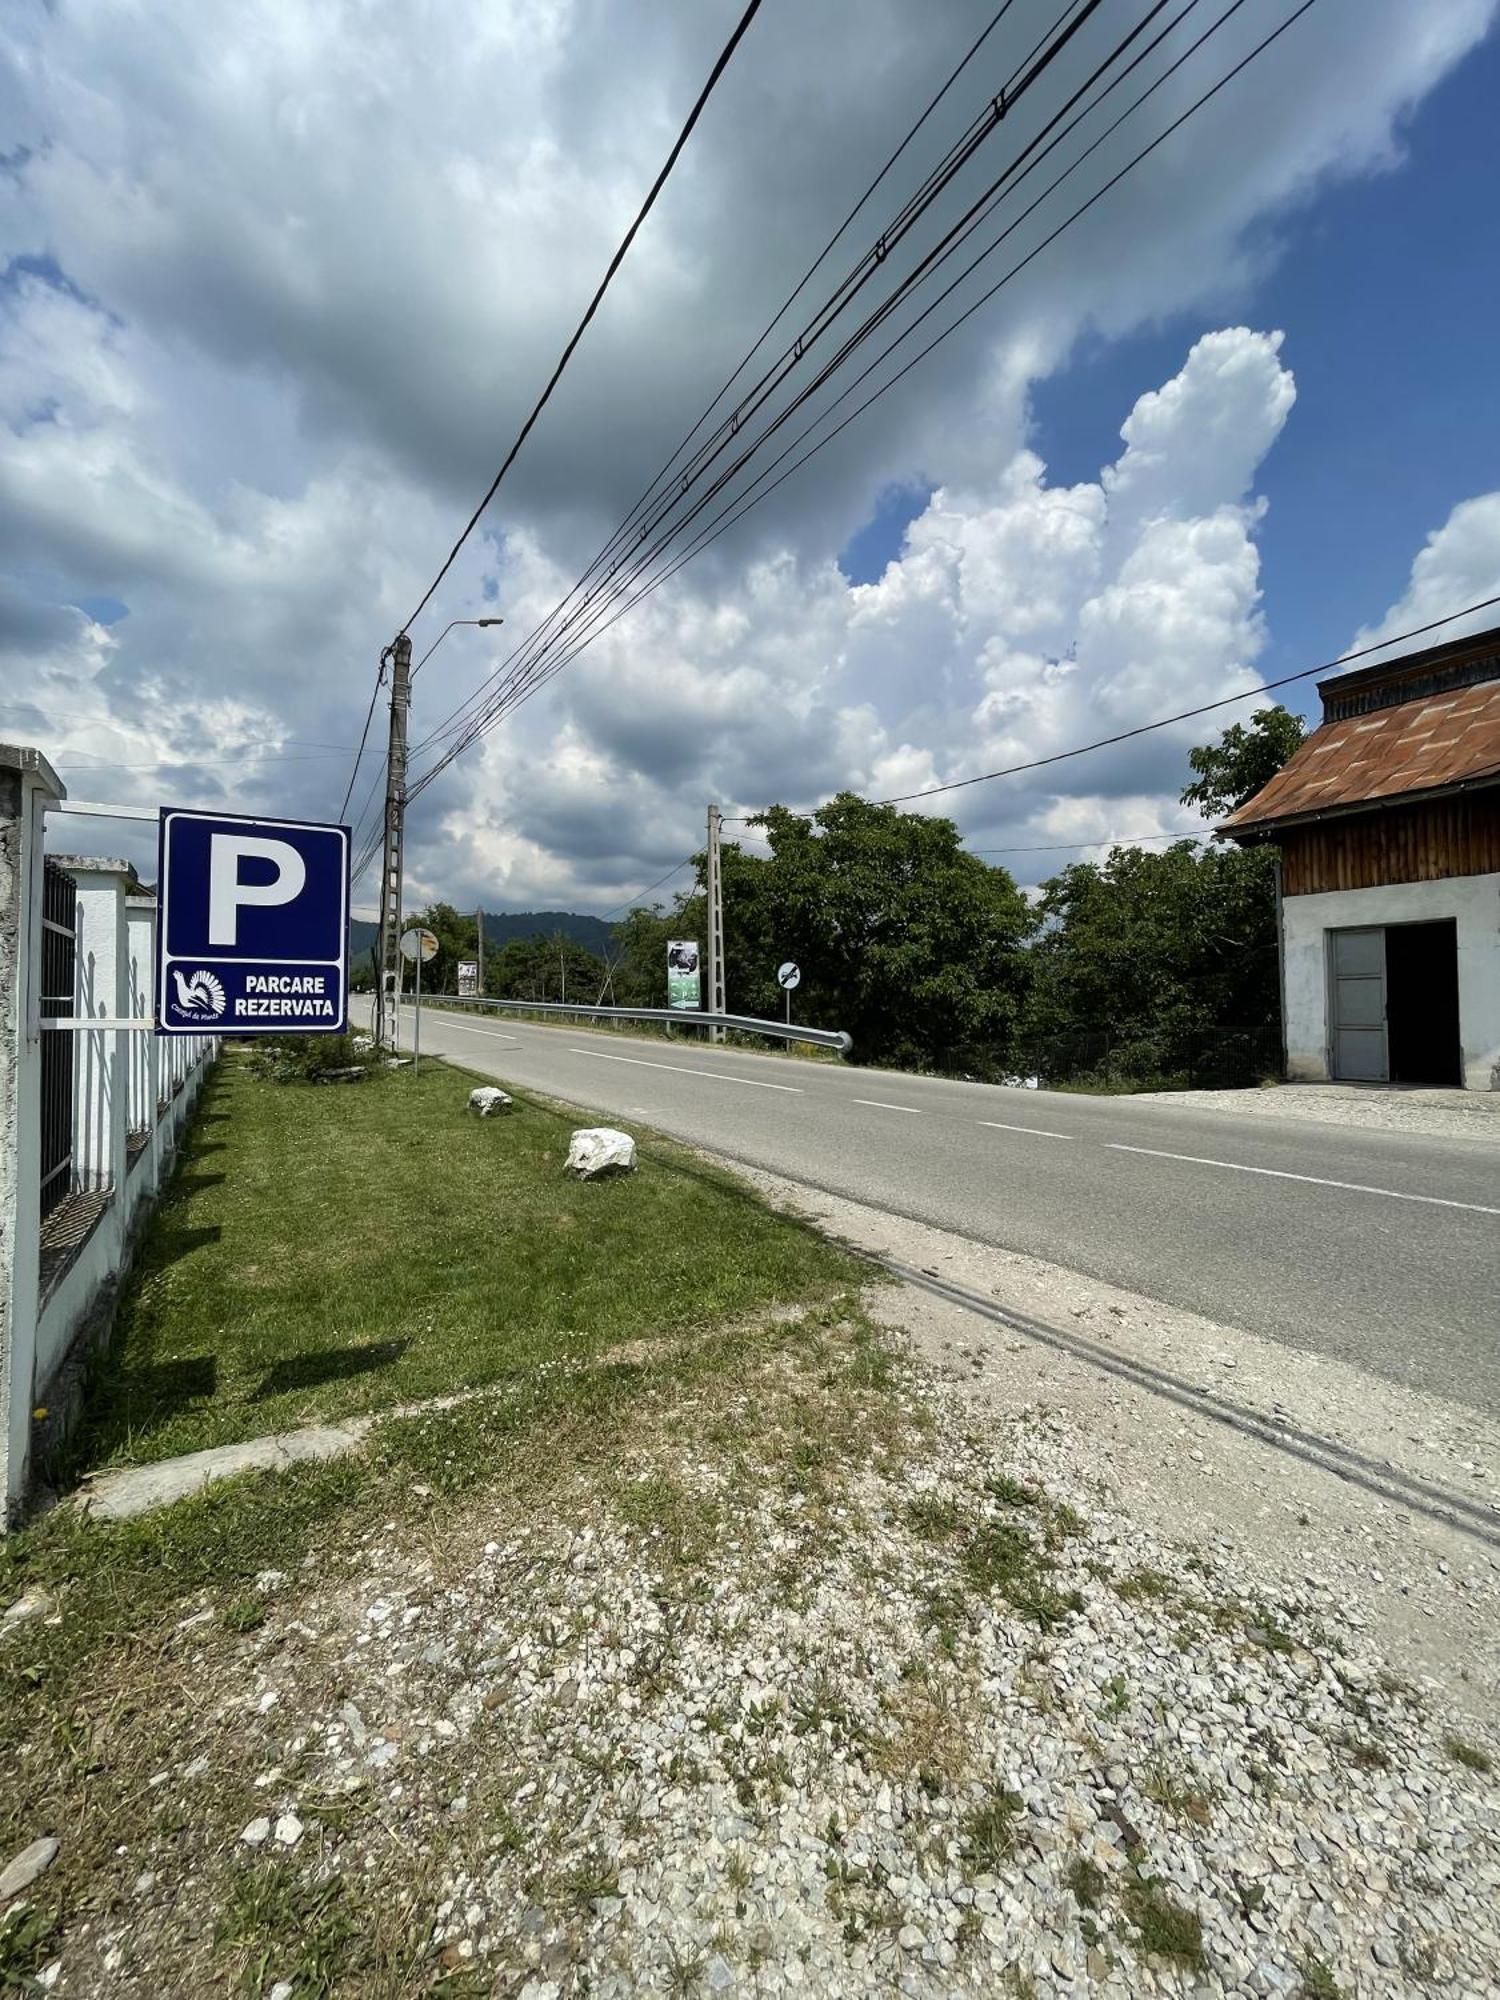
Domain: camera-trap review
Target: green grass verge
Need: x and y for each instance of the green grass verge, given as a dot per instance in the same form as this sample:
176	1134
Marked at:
329	1250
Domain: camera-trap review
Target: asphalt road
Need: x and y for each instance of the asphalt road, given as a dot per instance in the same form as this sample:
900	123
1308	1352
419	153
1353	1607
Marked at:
1380	1248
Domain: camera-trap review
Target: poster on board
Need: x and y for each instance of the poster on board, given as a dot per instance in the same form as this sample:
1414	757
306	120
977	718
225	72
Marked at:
683	978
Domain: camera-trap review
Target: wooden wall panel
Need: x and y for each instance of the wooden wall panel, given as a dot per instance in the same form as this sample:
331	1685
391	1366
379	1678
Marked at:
1418	843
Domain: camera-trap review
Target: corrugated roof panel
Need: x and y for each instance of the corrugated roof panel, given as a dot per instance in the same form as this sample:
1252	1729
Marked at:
1417	747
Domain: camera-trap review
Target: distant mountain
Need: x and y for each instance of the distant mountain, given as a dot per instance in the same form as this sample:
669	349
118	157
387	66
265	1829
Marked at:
500	926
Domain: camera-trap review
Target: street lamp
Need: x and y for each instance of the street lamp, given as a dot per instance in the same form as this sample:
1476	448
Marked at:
443	635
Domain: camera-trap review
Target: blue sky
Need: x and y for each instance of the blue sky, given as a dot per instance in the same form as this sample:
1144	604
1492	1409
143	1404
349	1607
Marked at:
257	447
1388	291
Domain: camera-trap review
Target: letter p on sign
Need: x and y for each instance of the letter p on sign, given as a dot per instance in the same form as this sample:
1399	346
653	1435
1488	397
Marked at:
229	893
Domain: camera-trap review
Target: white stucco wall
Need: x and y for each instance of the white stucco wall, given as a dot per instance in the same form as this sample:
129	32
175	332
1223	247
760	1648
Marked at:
1472	901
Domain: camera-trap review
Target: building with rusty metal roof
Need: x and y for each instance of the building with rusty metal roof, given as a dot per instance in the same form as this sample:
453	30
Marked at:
1387	826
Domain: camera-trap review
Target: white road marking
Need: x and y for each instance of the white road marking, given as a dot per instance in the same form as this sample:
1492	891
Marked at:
713	1075
491	1034
1316	1180
875	1104
1036	1131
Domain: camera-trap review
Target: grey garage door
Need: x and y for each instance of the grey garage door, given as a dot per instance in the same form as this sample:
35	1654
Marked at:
1357	975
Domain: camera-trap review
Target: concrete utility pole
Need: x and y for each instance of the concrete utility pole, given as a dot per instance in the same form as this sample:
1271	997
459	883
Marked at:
715	923
388	995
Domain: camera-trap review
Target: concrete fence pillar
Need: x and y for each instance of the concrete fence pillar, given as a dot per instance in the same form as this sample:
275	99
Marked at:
28	785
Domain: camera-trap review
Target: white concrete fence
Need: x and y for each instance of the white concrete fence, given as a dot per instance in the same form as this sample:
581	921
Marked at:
105	1155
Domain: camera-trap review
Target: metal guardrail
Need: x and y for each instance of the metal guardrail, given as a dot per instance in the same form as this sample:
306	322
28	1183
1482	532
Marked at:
679	1017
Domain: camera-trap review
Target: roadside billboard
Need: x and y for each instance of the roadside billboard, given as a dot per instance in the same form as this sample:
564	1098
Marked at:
468	976
683	977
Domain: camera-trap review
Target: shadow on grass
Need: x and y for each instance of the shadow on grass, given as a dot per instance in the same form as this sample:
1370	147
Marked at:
173	1244
140	1398
328	1364
191	1183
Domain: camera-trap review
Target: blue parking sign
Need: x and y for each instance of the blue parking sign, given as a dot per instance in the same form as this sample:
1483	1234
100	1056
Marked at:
252	931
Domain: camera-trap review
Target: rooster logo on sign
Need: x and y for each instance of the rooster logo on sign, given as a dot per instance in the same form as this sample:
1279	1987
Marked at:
201	996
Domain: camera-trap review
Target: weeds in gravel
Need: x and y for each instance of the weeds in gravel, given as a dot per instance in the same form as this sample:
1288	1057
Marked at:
1162	1783
990	1831
1087	1881
26	1931
244	1614
1010	1492
1166	1929
1318	1982
934	1519
1116	1692
278	1925
1146	1586
1469	1755
591	1876
1361	1752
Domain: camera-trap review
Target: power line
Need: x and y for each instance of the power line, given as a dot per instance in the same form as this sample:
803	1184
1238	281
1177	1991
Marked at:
725	54
748	499
735	510
364	737
1166	721
787	303
1022	79
641	894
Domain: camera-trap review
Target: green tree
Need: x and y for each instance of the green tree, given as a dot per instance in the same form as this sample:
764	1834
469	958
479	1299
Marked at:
543	968
1158	967
457	938
1245	758
908	942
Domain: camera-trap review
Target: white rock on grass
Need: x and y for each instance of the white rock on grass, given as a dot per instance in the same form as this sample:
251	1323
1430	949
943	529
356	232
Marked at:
488	1101
600	1149
288	1830
28	1864
256	1832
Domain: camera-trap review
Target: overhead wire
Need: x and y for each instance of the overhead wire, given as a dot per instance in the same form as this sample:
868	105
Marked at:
787	303
743	503
1026	74
1021	80
736	508
725	56
1166	721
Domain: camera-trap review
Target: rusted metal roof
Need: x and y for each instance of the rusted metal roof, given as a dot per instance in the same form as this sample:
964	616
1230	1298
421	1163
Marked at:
1417	747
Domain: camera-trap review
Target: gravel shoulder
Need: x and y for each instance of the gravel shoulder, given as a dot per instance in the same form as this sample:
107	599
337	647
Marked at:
1434	1114
809	1673
1300	1470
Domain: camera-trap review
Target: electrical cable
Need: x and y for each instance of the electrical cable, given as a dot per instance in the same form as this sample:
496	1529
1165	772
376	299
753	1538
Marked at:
725	56
940	251
364	737
1026	74
652	485
737	508
1165	721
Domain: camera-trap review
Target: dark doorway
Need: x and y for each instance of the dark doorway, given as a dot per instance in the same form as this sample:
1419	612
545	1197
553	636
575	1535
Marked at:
1421	975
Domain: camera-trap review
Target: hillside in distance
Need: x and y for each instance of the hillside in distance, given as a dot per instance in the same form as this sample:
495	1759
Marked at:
500	926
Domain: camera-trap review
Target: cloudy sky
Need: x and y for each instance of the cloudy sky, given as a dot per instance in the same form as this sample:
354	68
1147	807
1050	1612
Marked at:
279	284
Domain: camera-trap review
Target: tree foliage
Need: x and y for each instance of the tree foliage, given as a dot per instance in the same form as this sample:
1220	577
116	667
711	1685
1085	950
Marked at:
1158	967
1245	758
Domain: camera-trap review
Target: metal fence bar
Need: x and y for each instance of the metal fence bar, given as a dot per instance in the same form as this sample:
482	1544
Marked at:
679	1017
57	1000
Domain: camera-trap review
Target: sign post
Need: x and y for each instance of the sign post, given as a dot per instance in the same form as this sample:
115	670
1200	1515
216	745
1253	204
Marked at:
420	947
252	935
788	976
